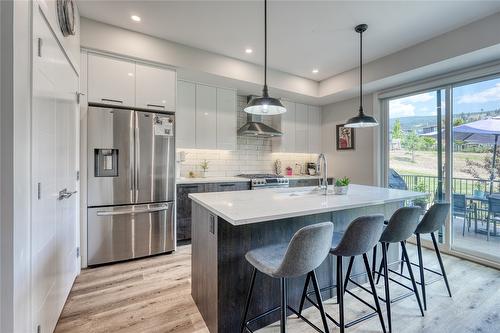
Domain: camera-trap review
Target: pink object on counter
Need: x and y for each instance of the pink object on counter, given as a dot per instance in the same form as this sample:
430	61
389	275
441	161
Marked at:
288	171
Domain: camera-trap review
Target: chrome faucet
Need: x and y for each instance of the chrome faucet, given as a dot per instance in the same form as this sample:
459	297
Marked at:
321	170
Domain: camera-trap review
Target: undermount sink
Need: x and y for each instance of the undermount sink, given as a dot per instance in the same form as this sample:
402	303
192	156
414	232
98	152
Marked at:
294	192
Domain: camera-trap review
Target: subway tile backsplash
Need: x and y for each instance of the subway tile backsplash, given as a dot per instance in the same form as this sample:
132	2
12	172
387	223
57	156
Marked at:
253	155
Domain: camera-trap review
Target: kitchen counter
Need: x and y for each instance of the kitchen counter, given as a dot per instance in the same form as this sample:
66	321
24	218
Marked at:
226	225
244	207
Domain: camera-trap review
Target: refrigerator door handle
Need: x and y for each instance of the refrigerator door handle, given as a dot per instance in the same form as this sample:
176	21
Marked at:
137	155
132	157
131	211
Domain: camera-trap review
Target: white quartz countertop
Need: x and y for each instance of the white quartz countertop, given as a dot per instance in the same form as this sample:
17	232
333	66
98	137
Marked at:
246	207
183	180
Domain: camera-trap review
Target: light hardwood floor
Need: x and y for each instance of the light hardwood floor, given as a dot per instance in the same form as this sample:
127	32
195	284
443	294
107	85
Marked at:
153	295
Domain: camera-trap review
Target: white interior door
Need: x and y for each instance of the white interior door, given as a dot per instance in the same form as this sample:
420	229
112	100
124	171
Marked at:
54	166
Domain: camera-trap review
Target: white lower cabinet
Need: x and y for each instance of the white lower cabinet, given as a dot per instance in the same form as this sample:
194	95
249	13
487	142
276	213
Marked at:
206	117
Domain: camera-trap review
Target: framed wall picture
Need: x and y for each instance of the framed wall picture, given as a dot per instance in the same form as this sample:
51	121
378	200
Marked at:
345	137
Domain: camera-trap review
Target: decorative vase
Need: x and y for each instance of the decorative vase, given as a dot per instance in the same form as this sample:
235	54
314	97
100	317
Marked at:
203	173
341	190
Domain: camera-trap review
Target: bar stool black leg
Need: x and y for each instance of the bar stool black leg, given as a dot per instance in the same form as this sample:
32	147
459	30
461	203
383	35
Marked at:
408	265
340	294
249	296
381	264
304	293
421	269
374	260
374	291
349	269
438	253
402	262
319	300
283	308
386	282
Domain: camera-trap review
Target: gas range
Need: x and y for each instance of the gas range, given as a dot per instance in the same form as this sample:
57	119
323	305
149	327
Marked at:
263	180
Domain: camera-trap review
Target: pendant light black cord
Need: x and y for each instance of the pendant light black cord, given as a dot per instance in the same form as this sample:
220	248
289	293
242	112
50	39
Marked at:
265	93
361	71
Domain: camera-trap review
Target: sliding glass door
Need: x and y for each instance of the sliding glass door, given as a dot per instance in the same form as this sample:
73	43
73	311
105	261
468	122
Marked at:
442	142
416	145
476	202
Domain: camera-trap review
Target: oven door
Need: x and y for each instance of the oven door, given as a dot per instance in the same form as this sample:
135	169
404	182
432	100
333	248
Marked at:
127	232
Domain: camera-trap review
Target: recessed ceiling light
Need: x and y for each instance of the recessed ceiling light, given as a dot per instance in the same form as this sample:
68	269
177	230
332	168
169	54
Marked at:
135	18
315	71
248	50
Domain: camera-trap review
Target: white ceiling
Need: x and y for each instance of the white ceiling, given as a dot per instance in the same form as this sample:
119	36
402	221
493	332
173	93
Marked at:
302	34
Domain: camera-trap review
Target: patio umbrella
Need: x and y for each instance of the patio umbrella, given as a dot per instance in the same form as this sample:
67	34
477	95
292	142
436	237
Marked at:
484	131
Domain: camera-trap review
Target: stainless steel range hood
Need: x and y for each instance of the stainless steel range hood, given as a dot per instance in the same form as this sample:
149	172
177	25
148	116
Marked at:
256	128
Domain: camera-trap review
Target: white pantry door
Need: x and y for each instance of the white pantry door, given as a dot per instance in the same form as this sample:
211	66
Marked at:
54	220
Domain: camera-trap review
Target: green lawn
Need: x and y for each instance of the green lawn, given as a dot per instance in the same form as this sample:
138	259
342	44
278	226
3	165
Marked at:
426	163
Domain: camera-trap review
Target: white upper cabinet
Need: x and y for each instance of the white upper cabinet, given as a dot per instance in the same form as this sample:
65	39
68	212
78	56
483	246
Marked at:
111	80
206	117
286	124
301	128
314	122
226	119
186	115
155	88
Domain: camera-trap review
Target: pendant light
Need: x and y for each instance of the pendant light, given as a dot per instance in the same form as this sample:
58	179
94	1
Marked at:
265	105
361	120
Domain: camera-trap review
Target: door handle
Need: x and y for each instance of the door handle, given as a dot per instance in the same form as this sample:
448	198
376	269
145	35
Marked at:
156	106
111	100
64	194
131	211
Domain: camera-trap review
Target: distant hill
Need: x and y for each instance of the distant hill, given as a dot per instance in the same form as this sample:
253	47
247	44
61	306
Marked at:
408	123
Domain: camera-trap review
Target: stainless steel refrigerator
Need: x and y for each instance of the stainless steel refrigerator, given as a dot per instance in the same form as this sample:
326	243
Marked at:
131	182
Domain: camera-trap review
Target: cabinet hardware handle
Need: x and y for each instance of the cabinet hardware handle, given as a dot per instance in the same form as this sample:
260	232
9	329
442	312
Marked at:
190	186
156	106
227	185
39	47
111	100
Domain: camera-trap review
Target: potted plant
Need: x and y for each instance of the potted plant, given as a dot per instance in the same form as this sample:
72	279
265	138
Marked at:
420	202
342	185
204	168
478	190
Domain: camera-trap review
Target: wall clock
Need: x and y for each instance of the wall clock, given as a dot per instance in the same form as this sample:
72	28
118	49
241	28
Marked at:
66	16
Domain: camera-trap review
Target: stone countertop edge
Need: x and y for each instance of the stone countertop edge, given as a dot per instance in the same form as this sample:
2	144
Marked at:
409	195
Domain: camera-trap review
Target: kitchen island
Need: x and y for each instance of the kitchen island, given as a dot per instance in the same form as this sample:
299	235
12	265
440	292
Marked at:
228	224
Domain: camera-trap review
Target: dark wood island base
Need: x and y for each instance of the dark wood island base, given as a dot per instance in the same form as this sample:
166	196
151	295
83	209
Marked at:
221	275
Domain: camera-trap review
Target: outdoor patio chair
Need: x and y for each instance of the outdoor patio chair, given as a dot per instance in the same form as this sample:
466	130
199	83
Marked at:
462	209
493	213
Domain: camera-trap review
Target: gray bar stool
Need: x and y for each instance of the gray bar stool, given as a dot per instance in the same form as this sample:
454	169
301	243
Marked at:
360	237
400	227
432	221
308	248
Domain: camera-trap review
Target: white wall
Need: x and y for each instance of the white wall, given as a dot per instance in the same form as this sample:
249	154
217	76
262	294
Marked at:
356	164
188	60
15	165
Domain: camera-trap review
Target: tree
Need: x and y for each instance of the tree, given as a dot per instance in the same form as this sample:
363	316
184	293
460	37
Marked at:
458	122
412	142
397	132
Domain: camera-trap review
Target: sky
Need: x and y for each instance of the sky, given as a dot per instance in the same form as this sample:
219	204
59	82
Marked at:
474	97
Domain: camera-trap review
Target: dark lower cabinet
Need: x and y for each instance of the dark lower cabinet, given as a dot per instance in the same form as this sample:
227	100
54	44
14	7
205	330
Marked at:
307	182
184	208
184	203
